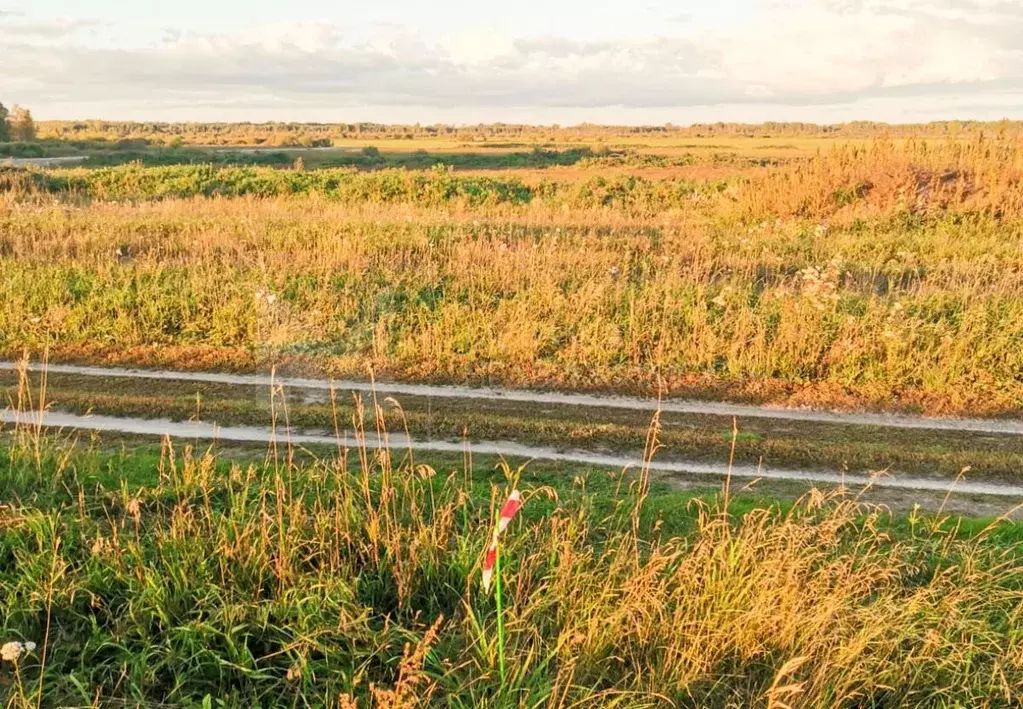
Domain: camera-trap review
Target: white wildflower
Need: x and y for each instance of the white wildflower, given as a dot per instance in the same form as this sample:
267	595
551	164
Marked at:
11	651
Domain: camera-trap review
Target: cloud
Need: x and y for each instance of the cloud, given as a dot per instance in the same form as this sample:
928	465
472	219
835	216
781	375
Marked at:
56	29
787	54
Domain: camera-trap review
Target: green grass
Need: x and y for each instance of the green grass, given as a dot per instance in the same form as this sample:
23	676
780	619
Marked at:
389	185
368	158
171	576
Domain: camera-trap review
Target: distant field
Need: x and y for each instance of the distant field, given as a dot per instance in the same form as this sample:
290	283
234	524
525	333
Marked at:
319	142
886	276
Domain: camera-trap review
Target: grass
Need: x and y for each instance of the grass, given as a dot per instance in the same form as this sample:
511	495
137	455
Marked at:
787	264
169	576
885	277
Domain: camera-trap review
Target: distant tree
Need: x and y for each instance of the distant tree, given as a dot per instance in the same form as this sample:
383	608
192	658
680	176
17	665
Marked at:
22	127
5	130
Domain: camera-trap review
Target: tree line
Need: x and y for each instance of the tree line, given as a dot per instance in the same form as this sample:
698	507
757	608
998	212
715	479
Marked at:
16	125
327	134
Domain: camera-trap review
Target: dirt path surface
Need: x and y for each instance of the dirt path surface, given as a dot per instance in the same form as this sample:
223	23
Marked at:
252	434
44	162
992	426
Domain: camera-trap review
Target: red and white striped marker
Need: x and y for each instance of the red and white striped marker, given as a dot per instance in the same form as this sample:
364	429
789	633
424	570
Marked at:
511	506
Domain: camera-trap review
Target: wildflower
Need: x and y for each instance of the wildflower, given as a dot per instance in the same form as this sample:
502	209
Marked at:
11	651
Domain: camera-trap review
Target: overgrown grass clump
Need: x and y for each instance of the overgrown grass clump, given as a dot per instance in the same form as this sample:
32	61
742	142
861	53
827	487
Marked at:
355	579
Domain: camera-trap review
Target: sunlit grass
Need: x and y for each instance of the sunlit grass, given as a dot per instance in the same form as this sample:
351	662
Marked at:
865	303
173	578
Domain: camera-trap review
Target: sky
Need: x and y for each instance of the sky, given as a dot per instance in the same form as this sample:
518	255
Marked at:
528	61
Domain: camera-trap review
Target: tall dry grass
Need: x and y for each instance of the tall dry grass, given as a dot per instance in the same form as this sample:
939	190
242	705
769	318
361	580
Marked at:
888	177
763	291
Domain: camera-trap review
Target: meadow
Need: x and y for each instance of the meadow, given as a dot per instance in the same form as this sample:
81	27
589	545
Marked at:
160	575
885	276
851	267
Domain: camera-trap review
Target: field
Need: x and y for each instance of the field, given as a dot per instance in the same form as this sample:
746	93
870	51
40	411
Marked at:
884	277
173	576
705	271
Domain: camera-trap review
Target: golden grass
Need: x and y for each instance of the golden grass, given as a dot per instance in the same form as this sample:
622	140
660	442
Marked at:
886	276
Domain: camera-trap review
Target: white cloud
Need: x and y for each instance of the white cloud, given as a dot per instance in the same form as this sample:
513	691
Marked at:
789	54
60	28
478	47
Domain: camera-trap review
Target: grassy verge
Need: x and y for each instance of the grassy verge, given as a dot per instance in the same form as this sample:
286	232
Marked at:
174	577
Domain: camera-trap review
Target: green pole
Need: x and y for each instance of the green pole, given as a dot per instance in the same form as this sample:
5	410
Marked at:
500	615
